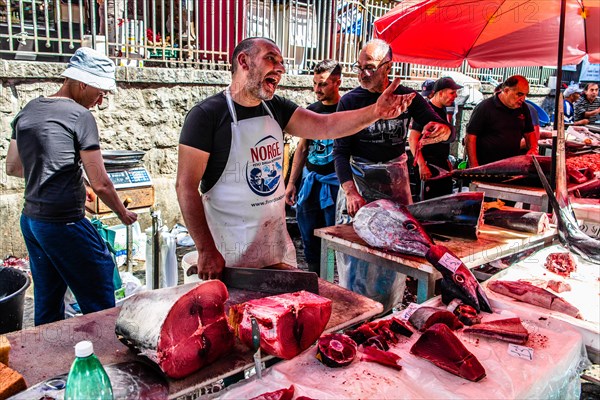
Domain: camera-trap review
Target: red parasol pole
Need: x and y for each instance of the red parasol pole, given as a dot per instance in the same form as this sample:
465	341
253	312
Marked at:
559	62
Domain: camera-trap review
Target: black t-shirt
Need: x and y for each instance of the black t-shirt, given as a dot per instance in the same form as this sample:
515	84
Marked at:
499	129
207	127
320	152
437	153
50	133
382	141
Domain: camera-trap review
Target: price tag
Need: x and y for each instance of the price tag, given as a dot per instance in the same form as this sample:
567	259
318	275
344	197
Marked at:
408	311
520	351
450	262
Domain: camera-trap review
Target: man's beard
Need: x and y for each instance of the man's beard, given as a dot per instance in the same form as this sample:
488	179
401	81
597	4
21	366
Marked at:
255	85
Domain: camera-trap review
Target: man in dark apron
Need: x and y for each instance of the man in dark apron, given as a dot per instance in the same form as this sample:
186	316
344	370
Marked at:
235	216
371	164
444	94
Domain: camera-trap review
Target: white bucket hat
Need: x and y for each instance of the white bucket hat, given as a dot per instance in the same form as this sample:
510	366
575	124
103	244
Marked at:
92	68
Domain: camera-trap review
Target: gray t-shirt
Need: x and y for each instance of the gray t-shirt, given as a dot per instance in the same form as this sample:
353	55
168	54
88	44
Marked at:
50	133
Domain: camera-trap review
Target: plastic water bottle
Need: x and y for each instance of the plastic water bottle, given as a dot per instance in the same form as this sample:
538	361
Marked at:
87	378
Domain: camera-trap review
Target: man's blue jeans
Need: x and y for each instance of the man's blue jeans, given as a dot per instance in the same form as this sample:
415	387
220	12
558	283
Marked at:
310	216
67	254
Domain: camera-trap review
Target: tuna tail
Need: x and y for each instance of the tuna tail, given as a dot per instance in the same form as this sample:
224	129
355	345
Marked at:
568	229
442	173
457	280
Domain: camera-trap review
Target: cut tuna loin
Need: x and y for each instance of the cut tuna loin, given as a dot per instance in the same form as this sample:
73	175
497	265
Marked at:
528	293
509	330
424	317
387	358
182	328
558	286
289	323
439	346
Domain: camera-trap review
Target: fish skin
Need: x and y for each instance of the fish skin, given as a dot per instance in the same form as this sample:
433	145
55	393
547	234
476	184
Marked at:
459	214
509	330
517	219
512	167
389	225
531	294
568	229
460	283
424	317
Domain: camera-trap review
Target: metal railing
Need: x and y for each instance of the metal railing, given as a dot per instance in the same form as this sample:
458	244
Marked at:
203	33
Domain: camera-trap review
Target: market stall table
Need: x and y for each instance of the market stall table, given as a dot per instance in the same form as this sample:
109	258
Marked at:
493	243
584	294
553	371
527	195
45	351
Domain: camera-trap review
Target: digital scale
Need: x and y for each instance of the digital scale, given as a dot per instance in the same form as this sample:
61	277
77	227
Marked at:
129	177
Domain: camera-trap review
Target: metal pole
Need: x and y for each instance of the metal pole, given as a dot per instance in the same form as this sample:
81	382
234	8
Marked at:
129	256
155	247
559	62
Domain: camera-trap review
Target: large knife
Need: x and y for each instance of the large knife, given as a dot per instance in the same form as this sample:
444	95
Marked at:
270	280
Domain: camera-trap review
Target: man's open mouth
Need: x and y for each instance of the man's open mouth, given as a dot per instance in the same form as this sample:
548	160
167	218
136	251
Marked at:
272	82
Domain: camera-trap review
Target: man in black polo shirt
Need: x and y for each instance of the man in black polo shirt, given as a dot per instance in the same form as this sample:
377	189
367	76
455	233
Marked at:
498	123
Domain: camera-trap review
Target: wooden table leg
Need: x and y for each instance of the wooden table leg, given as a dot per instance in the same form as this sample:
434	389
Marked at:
327	261
425	287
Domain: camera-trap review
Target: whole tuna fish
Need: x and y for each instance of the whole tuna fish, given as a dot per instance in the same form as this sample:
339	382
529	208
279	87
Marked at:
509	168
390	226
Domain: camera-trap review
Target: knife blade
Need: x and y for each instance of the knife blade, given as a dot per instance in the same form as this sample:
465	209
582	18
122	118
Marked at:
273	281
256	345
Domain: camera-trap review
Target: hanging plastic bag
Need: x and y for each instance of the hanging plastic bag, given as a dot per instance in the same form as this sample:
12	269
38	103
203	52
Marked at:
168	258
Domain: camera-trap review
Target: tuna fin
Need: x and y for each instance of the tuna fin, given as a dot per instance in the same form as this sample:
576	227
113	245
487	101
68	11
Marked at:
442	173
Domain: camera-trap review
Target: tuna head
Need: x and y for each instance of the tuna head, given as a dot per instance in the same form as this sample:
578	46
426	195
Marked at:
388	225
457	280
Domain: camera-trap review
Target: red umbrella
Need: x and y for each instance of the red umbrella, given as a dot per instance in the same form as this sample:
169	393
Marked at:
491	33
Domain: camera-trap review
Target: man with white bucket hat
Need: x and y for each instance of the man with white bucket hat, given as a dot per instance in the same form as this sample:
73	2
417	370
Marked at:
52	138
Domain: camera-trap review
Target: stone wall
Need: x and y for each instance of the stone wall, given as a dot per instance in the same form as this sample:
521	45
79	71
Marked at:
145	114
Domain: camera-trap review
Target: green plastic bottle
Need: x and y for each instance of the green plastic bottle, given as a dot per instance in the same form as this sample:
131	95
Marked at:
87	378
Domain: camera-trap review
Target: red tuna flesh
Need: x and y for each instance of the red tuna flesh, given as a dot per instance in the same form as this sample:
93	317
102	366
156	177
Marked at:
439	346
182	329
389	359
509	330
558	286
561	263
289	323
336	350
424	317
281	394
528	293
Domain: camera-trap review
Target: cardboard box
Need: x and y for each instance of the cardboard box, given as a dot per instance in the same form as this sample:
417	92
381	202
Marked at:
140	197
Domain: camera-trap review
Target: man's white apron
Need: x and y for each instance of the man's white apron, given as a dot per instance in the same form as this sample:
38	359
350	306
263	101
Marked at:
245	209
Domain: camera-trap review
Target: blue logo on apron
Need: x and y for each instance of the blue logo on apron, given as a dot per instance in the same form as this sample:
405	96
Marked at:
263	172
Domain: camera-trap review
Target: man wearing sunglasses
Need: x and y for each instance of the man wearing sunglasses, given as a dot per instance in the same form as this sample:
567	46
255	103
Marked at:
371	164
